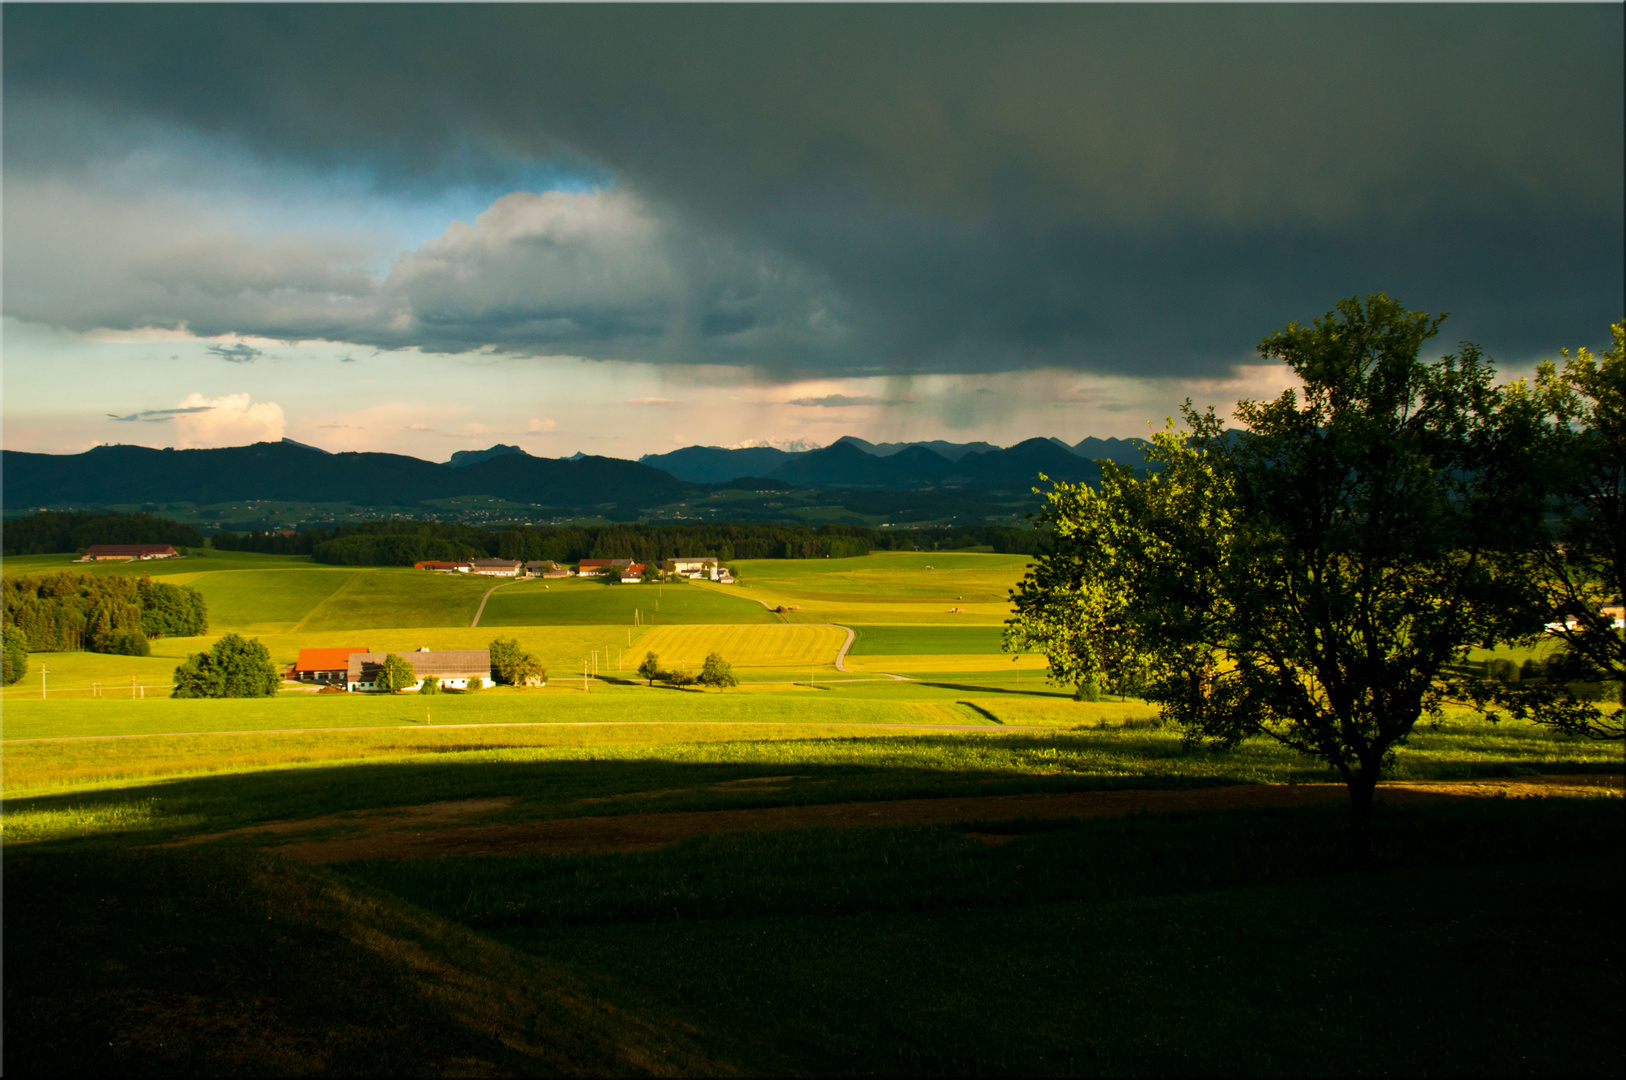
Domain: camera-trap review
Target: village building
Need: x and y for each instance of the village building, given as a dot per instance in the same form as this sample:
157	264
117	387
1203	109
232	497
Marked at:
546	568
633	573
588	567
328	666
443	567
454	668
496	567
128	552
694	568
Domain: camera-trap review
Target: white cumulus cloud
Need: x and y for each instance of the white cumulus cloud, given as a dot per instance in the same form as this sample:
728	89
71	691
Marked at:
230	420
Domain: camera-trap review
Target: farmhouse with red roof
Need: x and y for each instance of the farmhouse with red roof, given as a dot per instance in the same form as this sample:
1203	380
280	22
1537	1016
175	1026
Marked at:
325	665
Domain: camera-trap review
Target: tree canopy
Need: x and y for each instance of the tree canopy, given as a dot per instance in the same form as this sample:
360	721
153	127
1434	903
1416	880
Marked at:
1582	571
513	666
234	667
717	673
1315	577
101	612
395	674
16	654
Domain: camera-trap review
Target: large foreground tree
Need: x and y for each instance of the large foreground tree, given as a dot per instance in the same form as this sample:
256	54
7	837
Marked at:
1314	578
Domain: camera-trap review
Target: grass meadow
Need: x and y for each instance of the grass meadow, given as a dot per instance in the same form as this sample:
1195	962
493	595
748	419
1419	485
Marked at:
160	919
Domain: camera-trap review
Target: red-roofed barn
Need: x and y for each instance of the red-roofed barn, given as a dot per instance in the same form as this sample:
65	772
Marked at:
325	665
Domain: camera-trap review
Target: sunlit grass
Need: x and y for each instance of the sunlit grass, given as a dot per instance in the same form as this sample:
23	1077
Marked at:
576	601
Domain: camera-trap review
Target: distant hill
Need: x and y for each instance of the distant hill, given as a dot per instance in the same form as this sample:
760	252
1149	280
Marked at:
715	464
949	450
110	475
1123	451
846	464
837	465
461	458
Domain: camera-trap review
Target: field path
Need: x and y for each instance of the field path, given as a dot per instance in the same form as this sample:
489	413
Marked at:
845	645
481	610
647	832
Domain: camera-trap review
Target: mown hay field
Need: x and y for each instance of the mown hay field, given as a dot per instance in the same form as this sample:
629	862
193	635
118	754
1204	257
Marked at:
777	646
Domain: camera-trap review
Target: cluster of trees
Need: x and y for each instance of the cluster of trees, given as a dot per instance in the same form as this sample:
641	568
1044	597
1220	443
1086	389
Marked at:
402	543
716	673
513	666
234	667
59	531
1319	577
15	643
110	613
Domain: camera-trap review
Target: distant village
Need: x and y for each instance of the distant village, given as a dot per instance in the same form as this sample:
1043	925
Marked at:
622	570
356	669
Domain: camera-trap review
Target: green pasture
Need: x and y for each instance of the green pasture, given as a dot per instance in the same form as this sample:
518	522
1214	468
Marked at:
268	601
177	571
578	602
110	742
860	951
927	641
1194	943
886	587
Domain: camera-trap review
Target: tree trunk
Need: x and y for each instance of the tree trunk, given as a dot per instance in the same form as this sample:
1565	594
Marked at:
1362	786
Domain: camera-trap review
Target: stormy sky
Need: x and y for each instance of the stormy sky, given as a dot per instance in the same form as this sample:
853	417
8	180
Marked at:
625	229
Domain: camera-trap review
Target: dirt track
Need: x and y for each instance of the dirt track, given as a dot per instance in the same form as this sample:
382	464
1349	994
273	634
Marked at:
400	834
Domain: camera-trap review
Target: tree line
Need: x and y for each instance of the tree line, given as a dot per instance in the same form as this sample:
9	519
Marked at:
402	543
53	532
97	613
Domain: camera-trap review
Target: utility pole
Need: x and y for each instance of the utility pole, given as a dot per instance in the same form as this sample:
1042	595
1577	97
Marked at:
132	687
42	682
584	675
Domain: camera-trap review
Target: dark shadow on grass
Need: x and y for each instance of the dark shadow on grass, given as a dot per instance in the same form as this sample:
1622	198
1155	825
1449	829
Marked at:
171	808
964	688
979	709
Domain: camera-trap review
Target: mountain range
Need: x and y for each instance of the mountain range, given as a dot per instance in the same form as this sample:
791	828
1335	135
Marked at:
292	472
853	462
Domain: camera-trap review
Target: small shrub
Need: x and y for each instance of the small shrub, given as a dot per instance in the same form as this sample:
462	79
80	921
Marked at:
431	685
476	684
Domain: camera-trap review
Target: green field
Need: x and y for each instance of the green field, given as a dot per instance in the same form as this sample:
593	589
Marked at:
1199	941
927	641
887	588
577	602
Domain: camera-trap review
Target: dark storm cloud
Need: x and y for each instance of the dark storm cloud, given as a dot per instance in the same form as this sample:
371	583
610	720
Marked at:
237	354
156	416
1135	189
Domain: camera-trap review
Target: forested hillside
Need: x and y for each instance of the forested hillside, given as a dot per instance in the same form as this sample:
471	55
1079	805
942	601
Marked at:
402	543
53	531
109	613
